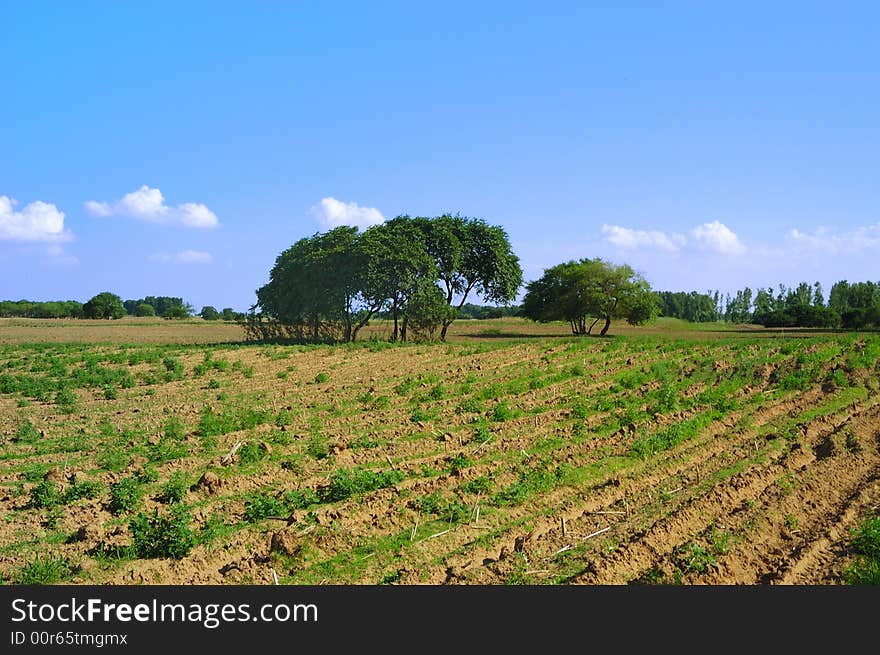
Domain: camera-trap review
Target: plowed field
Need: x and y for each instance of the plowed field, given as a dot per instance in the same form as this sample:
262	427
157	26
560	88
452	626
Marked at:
640	458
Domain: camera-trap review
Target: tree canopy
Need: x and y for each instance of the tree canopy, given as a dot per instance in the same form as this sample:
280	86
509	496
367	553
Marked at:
419	270
577	291
104	305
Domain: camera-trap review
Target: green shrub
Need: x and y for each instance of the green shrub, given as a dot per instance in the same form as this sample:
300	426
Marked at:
480	485
84	489
167	535
300	498
125	495
174	490
173	368
322	377
250	452
866	538
45	494
458	463
261	506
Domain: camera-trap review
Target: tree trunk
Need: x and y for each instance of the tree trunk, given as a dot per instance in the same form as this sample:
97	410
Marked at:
606	326
592	325
446	325
403	329
394	333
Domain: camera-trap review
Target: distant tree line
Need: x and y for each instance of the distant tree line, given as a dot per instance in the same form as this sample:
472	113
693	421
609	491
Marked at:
417	271
850	306
483	312
107	305
48	309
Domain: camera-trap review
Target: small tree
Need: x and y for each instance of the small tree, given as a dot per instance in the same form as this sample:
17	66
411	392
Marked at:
178	311
228	314
104	305
590	288
209	313
143	309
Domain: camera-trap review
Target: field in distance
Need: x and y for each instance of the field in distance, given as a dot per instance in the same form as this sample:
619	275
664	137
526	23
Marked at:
152	451
134	330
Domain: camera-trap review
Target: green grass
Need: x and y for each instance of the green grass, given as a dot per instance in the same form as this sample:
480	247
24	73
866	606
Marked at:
45	570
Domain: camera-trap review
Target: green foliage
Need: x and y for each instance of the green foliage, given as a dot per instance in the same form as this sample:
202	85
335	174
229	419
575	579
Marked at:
866	538
345	483
209	313
166	535
459	463
318	447
576	291
671	435
178	311
328	286
694	557
321	378
45	494
533	480
104	305
45	570
469	405
143	309
503	412
443	508
251	452
84	489
174	490
66	399
300	498
419	415
173	428
213	424
26	433
479	485
260	506
125	495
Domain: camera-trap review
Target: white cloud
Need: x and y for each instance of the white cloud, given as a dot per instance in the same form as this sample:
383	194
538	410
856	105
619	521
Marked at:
717	237
38	221
98	208
331	213
629	239
183	257
833	243
147	204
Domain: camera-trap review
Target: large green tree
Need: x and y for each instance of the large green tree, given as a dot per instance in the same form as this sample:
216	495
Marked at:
329	285
396	263
577	291
104	305
471	255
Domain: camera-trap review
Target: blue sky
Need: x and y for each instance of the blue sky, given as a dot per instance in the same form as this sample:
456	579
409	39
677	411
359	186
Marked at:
710	145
